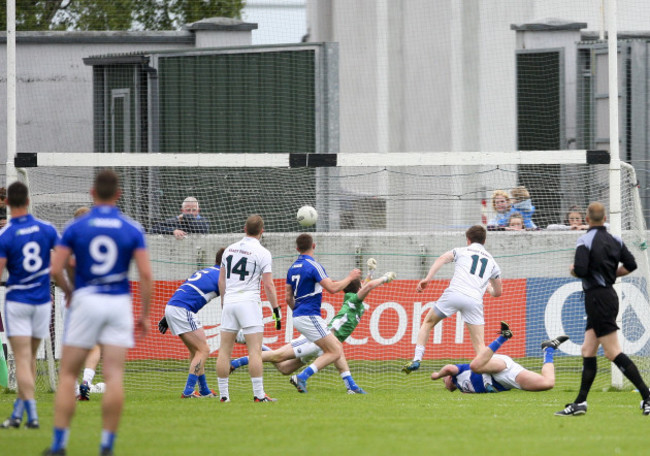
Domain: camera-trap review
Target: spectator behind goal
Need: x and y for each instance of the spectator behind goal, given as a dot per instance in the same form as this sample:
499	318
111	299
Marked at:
189	221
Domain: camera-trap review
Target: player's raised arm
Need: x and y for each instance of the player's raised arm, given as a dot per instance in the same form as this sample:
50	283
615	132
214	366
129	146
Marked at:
334	287
141	257
368	287
443	259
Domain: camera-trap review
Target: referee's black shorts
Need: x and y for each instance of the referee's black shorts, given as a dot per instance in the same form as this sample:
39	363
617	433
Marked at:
601	306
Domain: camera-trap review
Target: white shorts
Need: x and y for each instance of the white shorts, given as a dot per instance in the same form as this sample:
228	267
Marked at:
508	377
181	320
304	350
313	327
452	301
31	320
244	315
95	318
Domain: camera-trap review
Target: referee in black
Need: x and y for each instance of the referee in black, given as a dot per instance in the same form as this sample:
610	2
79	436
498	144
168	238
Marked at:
597	259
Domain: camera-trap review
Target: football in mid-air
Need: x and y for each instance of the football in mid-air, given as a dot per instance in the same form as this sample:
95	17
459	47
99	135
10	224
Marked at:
307	216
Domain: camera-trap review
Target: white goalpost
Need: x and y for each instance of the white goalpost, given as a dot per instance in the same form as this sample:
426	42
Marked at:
402	209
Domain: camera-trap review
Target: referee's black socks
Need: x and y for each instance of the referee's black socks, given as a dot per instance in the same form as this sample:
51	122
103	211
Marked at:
629	369
589	370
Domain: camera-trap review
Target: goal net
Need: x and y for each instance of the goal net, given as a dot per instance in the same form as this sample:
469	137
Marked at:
401	210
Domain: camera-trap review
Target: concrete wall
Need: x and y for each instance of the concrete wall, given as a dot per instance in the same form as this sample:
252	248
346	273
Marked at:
527	254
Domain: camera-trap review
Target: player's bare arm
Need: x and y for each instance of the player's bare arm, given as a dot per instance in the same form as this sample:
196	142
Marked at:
447	370
59	262
222	287
288	296
334	287
443	259
142	263
272	296
495	288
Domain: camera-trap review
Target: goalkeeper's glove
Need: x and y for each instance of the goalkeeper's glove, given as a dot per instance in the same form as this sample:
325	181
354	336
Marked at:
372	263
162	325
389	277
277	316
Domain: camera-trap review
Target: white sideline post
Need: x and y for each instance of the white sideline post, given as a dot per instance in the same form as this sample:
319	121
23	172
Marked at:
615	161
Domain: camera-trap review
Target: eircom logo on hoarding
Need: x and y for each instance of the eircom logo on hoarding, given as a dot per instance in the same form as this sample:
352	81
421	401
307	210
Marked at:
389	327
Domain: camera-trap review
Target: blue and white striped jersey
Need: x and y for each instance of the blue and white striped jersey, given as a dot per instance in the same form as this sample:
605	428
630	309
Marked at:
470	382
103	242
304	276
26	243
198	290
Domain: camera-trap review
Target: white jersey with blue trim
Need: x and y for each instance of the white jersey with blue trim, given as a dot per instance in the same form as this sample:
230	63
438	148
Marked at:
244	262
304	276
103	242
198	290
474	269
26	243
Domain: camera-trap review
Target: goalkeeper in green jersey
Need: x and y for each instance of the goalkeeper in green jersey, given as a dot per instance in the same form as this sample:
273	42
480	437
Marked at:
300	351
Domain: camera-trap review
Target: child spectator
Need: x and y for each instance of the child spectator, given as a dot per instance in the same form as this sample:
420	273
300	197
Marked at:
575	220
516	222
501	205
520	199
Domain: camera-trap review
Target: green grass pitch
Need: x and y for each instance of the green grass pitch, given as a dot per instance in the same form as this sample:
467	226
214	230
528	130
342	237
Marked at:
412	416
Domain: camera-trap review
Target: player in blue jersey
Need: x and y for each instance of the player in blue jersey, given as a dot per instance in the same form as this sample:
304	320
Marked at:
306	280
25	245
103	243
180	316
493	373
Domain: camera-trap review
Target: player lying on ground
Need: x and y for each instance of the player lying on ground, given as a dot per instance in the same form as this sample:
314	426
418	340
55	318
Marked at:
300	351
180	316
492	373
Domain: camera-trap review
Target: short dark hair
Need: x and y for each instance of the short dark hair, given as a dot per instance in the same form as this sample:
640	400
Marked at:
106	184
17	195
353	287
254	225
476	233
217	260
304	242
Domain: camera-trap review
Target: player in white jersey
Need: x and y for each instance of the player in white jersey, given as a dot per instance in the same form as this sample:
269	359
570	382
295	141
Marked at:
103	243
25	245
474	273
244	265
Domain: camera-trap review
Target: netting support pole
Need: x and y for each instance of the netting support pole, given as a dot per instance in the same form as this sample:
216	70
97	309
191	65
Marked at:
10	175
615	162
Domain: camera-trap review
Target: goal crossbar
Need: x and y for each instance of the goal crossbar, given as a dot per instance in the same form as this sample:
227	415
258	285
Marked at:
294	160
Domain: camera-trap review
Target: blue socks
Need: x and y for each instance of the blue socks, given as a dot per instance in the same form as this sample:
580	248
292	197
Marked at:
60	439
108	439
30	407
189	386
239	362
19	409
497	343
349	382
203	386
308	372
548	354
